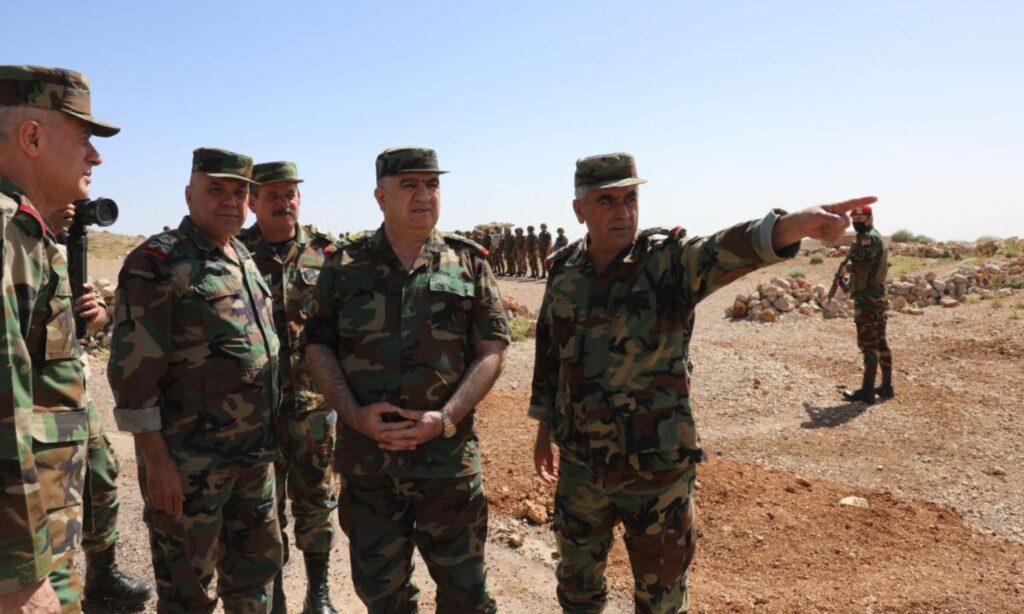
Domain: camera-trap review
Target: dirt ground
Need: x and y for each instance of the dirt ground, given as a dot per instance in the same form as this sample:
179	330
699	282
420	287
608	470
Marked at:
940	467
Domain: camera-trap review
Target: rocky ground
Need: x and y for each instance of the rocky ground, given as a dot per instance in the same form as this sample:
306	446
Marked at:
939	467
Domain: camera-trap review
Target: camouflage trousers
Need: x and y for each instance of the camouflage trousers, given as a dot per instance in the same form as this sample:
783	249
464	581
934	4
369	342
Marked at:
228	525
658	516
543	256
60	452
521	264
304	475
445	518
533	263
100	502
510	263
870	319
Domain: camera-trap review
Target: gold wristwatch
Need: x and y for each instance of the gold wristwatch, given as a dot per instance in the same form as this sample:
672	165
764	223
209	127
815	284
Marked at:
449	426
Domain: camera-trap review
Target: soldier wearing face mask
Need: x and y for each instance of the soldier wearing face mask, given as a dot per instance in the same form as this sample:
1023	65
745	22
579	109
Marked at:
867	268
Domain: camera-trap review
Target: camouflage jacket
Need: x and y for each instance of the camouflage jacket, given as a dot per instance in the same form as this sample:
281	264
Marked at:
531	244
868	266
25	557
291	278
194	352
561	241
610	373
407	338
544	239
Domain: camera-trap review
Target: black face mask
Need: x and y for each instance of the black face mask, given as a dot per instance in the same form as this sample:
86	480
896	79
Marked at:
862	227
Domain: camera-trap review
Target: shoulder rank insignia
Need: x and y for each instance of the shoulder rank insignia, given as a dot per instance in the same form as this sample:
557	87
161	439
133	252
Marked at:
160	246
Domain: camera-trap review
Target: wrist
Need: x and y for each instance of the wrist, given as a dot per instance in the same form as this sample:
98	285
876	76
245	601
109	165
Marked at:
447	424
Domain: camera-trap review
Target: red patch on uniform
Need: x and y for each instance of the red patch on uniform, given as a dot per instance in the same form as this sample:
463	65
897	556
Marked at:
865	241
548	263
486	252
158	253
329	250
672	233
29	209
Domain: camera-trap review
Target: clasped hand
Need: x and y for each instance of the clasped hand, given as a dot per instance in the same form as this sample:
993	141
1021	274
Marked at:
395	428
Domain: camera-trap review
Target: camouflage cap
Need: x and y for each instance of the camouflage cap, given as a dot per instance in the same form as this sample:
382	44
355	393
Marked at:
615	170
54	89
407	160
222	163
269	172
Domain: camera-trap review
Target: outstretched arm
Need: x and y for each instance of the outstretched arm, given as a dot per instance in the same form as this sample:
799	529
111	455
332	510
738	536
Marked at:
826	223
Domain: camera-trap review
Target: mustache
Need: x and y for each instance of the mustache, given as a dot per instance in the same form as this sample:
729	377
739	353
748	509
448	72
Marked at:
283	211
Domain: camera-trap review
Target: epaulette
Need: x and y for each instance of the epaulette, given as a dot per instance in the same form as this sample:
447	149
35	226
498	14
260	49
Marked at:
349	238
480	249
160	246
560	255
320	233
32	213
675	233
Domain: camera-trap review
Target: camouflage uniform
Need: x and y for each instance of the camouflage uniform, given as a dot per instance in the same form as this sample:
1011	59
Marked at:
407	338
36	270
868	268
496	258
561	240
25	558
60	425
612	384
194	357
508	249
532	252
305	425
519	250
543	248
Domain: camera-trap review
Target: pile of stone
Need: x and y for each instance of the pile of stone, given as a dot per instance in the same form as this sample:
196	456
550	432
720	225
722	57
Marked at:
989	280
780	296
513	307
908	294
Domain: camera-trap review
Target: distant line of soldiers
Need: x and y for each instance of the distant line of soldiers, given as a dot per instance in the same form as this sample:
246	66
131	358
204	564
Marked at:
519	255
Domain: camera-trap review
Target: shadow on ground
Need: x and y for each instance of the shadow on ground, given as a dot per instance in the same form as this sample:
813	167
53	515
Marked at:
836	415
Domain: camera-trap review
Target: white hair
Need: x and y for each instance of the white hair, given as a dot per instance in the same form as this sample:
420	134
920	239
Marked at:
12	117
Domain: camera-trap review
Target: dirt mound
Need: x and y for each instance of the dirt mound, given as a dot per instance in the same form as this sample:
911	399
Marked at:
774	542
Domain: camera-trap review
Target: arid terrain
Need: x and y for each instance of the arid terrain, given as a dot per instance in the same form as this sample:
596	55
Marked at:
939	466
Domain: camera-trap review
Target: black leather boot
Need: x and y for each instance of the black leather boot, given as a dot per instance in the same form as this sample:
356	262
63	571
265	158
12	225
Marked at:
866	394
277	604
318	594
105	582
885	391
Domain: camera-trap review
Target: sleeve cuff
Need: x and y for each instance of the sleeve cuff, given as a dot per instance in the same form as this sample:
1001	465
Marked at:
137	420
763	239
541	414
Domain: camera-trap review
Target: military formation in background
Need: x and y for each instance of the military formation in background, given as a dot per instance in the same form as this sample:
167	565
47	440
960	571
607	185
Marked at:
518	254
235	353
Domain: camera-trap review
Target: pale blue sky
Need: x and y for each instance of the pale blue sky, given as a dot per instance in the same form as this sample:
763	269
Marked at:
729	107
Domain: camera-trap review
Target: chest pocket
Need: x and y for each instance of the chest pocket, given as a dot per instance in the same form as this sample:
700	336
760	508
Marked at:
310	276
363	310
451	303
564	335
60	326
224	306
635	325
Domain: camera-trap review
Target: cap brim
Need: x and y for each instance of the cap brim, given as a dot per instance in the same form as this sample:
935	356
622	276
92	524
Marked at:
278	181
618	183
419	170
230	176
96	127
